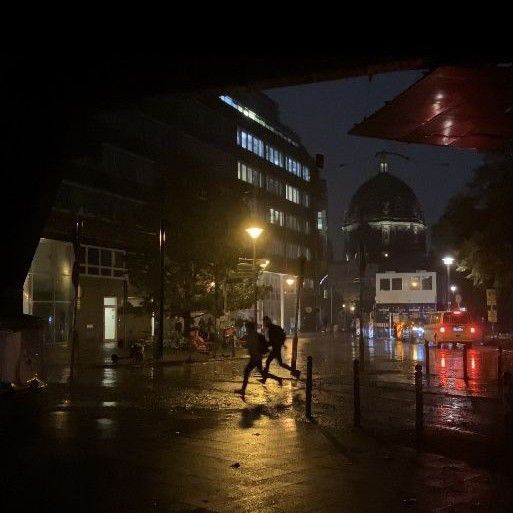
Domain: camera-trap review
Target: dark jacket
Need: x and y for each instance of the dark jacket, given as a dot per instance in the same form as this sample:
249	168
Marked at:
276	336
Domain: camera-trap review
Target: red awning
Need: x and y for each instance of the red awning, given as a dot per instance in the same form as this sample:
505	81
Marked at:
452	106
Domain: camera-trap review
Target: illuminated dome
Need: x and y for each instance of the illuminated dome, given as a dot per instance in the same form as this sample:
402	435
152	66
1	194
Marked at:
384	198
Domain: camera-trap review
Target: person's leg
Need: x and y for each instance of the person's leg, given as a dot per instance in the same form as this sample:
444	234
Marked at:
281	363
270	358
295	373
247	371
266	374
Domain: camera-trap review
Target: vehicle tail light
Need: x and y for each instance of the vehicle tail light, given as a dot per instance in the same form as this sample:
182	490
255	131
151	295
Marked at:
442	329
472	329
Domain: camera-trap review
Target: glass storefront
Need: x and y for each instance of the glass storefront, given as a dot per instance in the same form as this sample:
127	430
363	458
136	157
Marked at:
48	290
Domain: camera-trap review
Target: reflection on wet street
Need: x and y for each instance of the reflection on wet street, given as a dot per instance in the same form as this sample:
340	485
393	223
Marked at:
452	404
139	438
464	406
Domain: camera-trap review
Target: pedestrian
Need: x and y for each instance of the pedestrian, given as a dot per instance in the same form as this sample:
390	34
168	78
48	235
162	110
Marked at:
255	350
275	336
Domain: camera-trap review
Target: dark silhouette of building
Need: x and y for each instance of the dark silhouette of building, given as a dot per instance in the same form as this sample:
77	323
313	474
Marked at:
200	145
385	227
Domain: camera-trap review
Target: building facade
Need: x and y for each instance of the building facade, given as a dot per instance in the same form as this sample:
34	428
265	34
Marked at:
200	146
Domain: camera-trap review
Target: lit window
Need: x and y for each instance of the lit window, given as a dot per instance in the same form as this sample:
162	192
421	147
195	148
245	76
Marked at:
104	262
306	199
321	220
255	117
306	173
276	217
274	156
250	142
415	283
249	175
292	194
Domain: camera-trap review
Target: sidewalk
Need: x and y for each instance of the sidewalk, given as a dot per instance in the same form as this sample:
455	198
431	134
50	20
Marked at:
100	356
109	454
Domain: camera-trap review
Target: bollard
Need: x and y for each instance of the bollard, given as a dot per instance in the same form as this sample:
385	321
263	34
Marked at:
465	358
500	378
426	352
419	406
356	393
233	345
309	387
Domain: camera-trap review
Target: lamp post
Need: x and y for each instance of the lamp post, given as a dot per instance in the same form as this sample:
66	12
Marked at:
289	281
448	261
255	232
299	286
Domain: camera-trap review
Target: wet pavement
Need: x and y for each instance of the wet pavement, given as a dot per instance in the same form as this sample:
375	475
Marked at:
176	438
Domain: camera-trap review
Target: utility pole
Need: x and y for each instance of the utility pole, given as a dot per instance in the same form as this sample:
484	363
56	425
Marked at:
216	299
299	286
255	307
77	242
331	305
158	346
361	345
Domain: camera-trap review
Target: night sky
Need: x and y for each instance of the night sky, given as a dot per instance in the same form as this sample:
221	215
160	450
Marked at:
323	113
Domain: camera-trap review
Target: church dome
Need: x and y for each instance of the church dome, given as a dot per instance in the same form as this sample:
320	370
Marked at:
384	197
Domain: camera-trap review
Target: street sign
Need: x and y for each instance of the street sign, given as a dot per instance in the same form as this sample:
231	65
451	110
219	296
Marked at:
492	315
491	297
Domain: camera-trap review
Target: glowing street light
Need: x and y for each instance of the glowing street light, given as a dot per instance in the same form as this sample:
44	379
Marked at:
254	232
290	281
454	288
352	308
448	261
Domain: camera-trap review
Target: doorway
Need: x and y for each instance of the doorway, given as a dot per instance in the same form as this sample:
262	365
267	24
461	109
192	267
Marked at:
110	320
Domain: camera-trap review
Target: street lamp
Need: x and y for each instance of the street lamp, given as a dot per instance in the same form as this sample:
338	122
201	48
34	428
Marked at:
454	288
290	281
448	261
254	232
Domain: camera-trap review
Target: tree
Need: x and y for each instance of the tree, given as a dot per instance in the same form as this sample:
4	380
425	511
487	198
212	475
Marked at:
204	239
478	226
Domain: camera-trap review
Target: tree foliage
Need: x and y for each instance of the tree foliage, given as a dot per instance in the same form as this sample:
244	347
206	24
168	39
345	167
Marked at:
478	226
204	240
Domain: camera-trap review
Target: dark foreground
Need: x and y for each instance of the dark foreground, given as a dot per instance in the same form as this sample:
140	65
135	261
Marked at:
178	439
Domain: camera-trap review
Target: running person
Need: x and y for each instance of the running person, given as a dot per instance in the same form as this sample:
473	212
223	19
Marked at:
255	351
275	335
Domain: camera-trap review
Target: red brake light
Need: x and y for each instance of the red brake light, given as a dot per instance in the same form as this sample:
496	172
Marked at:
442	329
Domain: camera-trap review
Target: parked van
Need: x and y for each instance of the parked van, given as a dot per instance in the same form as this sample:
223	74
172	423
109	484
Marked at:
454	327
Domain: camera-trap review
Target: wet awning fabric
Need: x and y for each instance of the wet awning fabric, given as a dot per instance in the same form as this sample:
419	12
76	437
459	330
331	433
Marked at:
452	106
